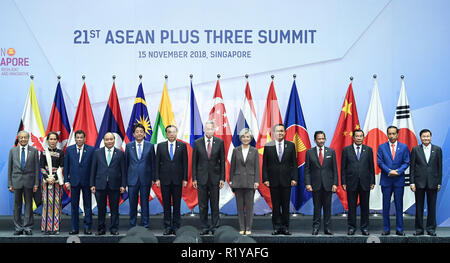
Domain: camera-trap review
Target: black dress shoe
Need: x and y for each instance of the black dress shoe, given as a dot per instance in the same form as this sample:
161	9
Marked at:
385	233
418	233
28	232
73	232
328	232
18	233
114	233
101	232
167	232
365	232
286	232
400	233
204	232
433	234
315	232
87	232
351	232
276	232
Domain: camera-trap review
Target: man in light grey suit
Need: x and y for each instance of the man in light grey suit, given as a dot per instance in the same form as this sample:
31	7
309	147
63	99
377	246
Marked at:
23	181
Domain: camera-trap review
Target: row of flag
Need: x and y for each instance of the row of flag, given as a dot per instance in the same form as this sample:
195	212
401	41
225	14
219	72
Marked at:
191	128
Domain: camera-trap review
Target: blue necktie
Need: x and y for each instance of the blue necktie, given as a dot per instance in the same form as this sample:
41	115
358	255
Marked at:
22	159
139	151
171	151
358	153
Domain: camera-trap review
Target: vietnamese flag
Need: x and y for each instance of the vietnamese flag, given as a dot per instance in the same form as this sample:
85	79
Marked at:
271	117
343	135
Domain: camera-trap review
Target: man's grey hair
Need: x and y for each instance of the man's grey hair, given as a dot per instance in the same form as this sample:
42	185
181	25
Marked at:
23	131
210	122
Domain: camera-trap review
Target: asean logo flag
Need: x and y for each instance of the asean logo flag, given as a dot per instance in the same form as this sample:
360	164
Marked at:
297	133
112	122
191	129
59	123
343	135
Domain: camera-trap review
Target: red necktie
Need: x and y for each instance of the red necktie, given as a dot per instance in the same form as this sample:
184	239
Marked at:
320	156
208	149
393	151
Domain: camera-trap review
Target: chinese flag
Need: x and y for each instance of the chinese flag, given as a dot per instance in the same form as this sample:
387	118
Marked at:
348	121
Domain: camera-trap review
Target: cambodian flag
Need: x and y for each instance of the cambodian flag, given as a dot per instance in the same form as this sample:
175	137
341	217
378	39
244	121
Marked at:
59	123
297	133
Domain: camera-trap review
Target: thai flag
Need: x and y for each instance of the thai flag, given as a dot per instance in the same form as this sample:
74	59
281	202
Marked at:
190	129
112	122
59	123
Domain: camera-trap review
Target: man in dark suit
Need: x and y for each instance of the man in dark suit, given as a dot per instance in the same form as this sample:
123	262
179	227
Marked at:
426	178
393	160
108	180
208	175
77	168
358	178
140	166
279	173
171	176
321	178
23	181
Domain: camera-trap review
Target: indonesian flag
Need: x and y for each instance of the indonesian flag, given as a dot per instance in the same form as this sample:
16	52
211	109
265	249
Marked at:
271	117
403	121
190	129
219	115
343	135
32	123
164	118
375	131
84	120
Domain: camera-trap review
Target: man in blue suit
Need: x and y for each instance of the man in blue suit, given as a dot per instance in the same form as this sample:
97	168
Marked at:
140	163
393	160
108	180
77	168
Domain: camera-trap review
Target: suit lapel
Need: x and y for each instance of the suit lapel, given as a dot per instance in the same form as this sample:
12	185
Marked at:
315	157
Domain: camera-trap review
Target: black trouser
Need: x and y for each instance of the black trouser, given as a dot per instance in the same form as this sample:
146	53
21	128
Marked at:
113	196
322	199
171	192
75	206
431	203
352	198
281	198
208	192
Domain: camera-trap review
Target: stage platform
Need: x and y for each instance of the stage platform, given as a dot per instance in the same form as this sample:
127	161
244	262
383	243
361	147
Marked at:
301	228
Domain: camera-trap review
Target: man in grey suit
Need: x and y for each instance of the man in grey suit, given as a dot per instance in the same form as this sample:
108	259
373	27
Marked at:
23	181
321	178
208	175
426	178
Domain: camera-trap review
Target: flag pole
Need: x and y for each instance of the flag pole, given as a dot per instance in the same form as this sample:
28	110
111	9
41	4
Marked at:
374	76
32	77
140	78
84	78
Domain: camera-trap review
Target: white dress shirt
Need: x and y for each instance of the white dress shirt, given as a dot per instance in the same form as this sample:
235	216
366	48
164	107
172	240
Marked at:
174	145
80	149
20	152
206	142
427	151
245	152
323	151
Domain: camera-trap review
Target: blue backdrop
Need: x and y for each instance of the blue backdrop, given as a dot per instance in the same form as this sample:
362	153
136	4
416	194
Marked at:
324	43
